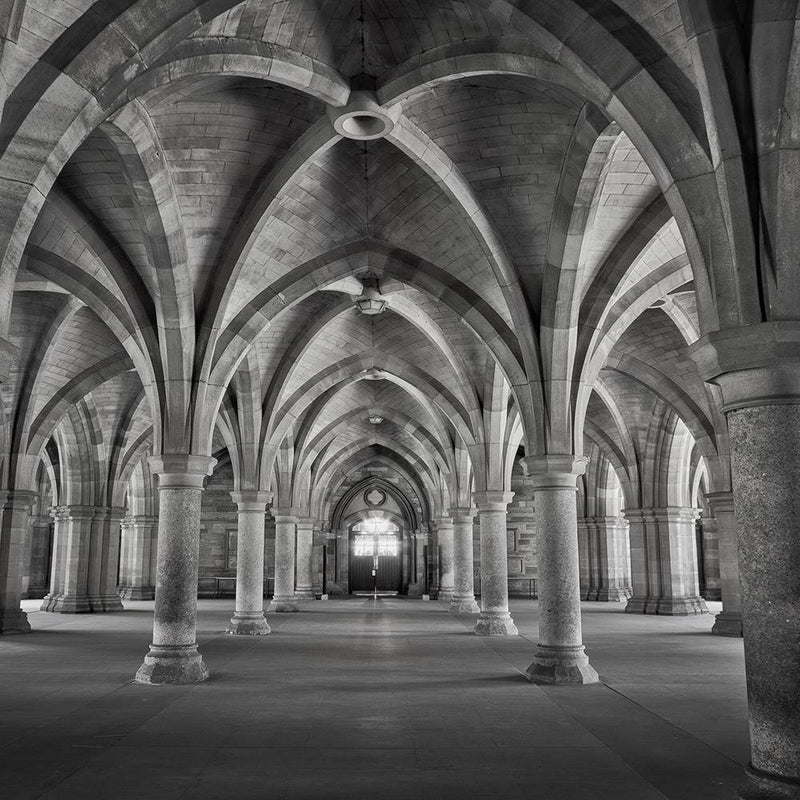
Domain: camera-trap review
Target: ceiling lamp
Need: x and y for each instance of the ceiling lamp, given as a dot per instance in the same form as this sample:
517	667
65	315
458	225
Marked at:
375	419
373	374
370	301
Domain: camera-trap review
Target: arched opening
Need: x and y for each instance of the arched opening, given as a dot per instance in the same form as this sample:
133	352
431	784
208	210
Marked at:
375	555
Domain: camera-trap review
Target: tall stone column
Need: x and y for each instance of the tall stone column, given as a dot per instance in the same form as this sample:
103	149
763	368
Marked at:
494	618
445	535
173	656
140	535
16	506
612	547
284	599
729	621
416	588
38	574
587	559
104	559
69	587
463	601
664	562
757	371
305	559
248	617
560	656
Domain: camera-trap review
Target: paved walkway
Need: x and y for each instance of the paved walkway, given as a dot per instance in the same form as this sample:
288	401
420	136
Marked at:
360	699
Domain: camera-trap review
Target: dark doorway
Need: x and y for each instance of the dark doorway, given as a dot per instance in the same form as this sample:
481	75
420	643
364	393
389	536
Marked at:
375	556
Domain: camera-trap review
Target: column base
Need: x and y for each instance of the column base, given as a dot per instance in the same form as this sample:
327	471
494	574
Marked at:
464	605
13	620
561	666
304	594
495	623
106	602
137	592
611	595
172	664
248	625
445	594
66	604
682	606
675	606
728	623
764	786
283	605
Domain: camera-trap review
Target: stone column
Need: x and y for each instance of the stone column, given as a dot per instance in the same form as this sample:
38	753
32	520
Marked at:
710	588
69	587
612	547
416	588
38	574
173	656
140	533
729	621
757	371
16	506
664	562
248	617
560	656
284	599
104	560
587	568
463	561
445	535
494	618
305	558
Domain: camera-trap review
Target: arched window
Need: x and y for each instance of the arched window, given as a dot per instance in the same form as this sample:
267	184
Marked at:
376	536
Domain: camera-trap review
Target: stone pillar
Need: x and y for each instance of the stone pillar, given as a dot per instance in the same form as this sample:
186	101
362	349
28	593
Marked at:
729	621
139	534
664	562
69	586
560	656
173	656
284	599
710	588
416	588
305	559
587	567
41	534
494	618
757	370
445	535
463	560
16	506
248	617
611	542
104	560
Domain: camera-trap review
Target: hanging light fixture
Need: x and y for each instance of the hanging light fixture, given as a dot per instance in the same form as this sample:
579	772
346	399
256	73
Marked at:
375	419
370	301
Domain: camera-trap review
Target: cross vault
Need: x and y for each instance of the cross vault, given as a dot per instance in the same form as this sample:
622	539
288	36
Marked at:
510	287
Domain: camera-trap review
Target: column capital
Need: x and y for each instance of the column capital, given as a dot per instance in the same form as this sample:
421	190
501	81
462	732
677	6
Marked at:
77	512
554	471
463	513
492	500
443	522
251	500
721	502
755	365
662	514
307	523
18	498
181	470
285	514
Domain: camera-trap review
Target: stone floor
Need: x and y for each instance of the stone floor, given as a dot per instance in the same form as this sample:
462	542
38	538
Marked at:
364	698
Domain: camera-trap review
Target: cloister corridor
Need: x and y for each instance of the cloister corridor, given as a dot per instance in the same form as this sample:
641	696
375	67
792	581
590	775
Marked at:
364	698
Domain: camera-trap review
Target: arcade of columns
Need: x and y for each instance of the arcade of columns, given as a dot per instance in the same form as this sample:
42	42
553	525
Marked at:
480	244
